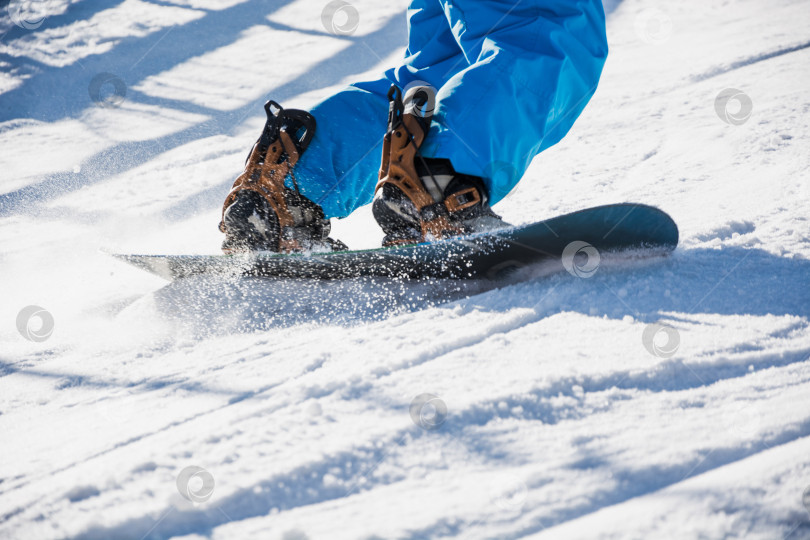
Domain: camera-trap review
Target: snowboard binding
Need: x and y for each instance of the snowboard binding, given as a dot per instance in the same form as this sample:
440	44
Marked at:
260	212
425	199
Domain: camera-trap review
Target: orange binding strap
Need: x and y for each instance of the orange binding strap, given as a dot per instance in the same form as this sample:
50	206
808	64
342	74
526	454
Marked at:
265	174
402	141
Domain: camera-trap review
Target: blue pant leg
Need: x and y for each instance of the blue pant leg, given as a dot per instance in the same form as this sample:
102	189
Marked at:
533	67
433	55
339	169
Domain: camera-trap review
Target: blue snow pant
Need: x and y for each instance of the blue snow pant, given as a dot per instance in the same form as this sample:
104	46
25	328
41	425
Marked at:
511	78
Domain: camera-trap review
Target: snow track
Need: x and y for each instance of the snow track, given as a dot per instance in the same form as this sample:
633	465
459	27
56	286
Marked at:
664	398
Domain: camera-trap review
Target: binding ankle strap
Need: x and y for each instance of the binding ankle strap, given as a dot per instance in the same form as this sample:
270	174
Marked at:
405	135
271	160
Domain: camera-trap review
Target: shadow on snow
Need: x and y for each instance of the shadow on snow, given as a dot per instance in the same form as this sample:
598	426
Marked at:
67	97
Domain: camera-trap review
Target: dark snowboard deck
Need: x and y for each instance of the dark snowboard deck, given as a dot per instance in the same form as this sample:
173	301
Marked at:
493	255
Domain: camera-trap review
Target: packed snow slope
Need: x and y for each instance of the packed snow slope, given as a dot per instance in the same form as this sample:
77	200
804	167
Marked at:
561	410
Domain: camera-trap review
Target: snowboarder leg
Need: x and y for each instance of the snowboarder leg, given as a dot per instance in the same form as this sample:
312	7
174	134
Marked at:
503	93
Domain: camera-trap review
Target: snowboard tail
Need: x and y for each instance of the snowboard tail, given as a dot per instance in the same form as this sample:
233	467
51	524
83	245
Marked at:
492	255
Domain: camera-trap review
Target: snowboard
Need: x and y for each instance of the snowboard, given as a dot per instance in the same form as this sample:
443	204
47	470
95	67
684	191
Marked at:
494	255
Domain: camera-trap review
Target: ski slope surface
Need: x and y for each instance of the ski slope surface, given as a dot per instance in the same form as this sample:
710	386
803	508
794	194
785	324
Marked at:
664	398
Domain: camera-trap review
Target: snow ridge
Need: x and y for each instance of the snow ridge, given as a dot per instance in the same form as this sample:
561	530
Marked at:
660	398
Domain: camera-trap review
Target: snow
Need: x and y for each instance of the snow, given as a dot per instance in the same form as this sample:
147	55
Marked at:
664	398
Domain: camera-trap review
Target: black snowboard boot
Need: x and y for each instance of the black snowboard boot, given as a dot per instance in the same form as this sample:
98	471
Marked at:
460	198
421	199
251	224
261	213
